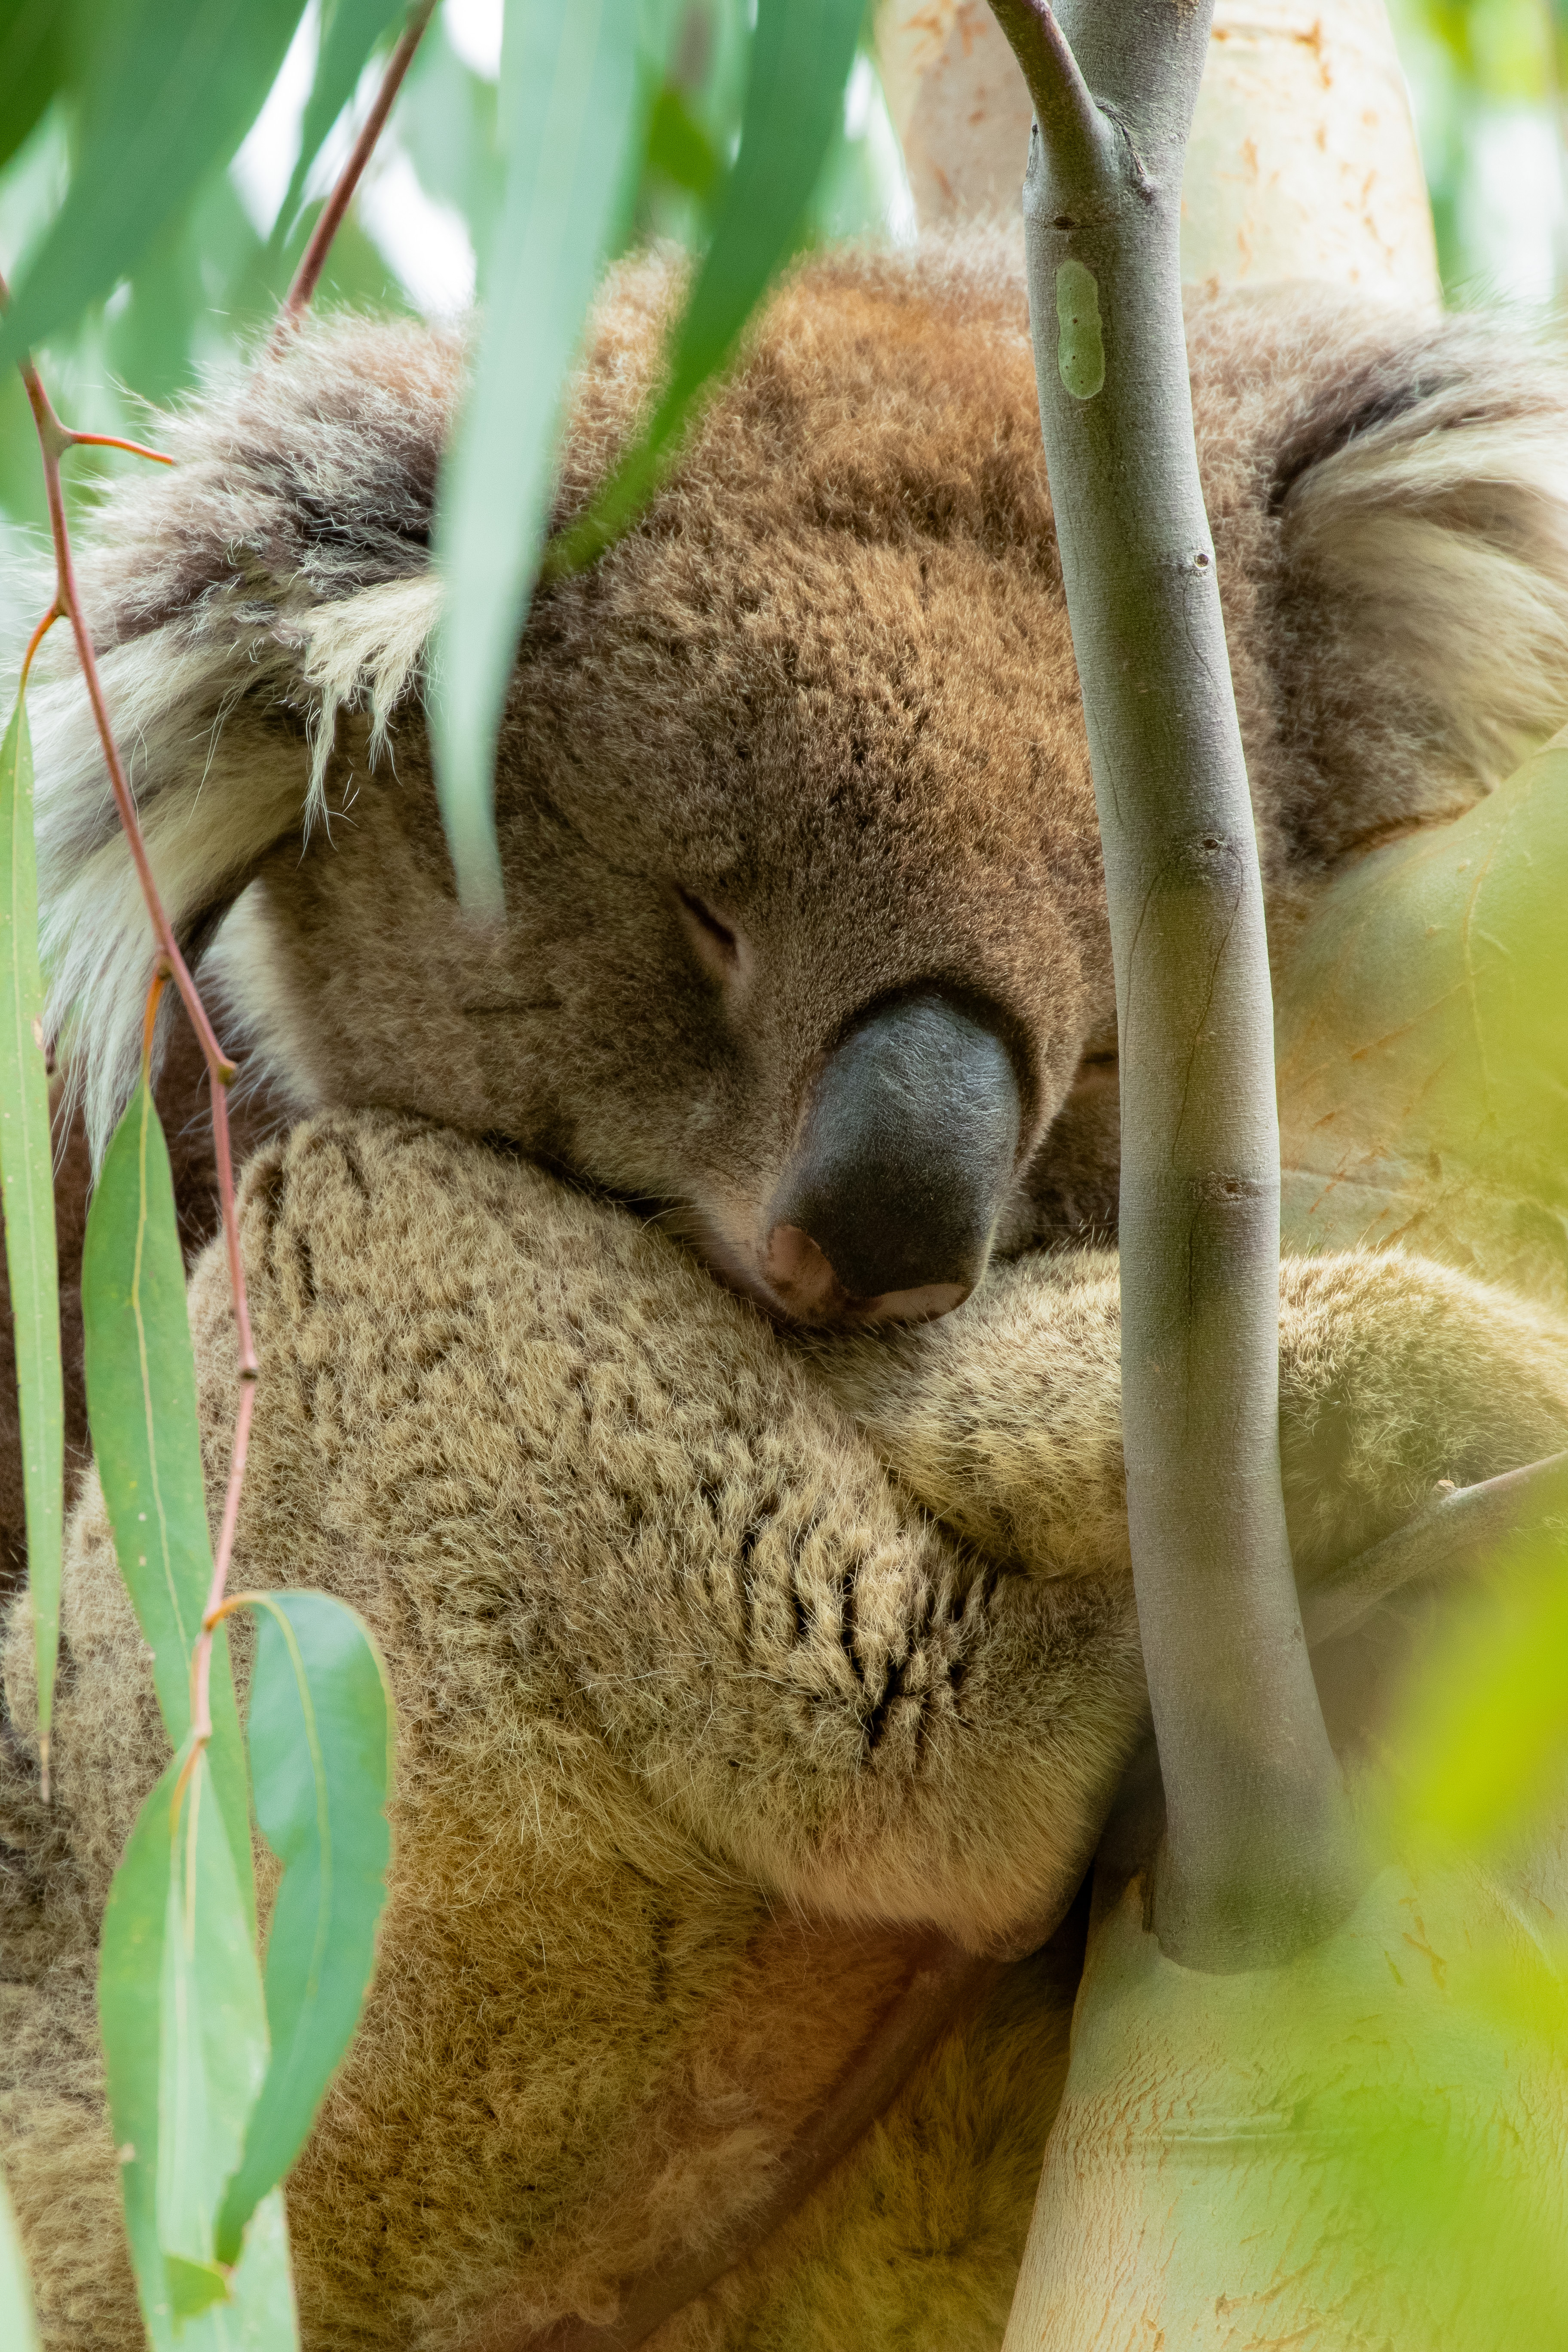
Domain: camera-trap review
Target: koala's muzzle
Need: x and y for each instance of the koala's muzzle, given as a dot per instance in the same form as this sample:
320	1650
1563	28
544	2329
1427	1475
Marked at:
886	1209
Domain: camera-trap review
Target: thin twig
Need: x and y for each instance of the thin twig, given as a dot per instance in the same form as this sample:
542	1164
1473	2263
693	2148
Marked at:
54	440
1458	1535
297	301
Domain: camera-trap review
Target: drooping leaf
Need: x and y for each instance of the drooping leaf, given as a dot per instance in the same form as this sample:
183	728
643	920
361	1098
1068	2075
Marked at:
34	36
26	1174
319	1728
184	2041
572	82
679	147
802	52
142	1407
212	2035
168	90
1479	1749
18	2323
350	30
1422	1048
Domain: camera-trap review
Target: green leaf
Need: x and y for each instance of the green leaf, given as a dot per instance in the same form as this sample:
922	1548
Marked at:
1477	1752
26	1175
1421	1048
18	2325
321	1732
573	83
184	2041
212	2028
169	88
802	52
350	30
33	57
679	147
142	1406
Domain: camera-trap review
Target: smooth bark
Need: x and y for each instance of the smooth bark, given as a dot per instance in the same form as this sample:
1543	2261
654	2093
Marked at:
1256	1863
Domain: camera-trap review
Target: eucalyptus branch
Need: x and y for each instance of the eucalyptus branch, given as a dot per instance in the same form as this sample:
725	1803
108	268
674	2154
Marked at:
1462	1534
54	440
312	261
1256	1858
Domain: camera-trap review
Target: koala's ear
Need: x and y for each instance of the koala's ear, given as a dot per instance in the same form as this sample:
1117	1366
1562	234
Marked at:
1426	543
277	575
227	732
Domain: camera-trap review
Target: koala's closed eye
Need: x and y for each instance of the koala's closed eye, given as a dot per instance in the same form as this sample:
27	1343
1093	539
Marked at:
714	942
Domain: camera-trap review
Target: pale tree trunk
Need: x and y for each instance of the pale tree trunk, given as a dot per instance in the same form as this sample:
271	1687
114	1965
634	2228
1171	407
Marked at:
1254	1864
1303	160
1275	2128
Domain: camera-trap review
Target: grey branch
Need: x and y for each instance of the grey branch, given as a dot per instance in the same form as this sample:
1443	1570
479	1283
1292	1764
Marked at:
1258	1857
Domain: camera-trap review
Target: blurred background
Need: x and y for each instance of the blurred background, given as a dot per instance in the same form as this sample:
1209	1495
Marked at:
1489	80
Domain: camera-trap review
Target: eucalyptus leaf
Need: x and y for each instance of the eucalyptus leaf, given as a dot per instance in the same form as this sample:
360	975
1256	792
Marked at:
142	1407
802	52
169	88
212	2038
18	2323
33	55
679	147
184	2040
575	82
350	29
320	1725
26	1175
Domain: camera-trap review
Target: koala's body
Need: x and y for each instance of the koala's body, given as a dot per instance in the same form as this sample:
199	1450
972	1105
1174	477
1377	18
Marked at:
733	1659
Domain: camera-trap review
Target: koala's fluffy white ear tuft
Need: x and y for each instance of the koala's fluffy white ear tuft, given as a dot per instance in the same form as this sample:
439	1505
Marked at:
173	696
278	576
1439	534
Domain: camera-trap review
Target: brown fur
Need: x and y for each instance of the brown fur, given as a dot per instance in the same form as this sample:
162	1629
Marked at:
678	1654
826	686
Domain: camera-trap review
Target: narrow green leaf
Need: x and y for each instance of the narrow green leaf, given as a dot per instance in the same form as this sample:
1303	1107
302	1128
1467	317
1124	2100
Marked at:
350	29
192	2286
26	1175
33	55
572	81
142	1406
130	1982
679	147
320	1730
169	88
18	2323
184	2041
212	2031
802	52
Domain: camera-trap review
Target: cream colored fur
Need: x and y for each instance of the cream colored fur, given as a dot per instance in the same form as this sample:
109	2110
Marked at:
723	1662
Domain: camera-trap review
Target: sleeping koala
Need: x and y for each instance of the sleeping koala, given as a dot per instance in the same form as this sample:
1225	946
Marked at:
805	943
738	1653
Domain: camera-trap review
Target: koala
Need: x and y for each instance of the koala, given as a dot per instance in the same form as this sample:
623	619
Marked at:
758	1640
805	946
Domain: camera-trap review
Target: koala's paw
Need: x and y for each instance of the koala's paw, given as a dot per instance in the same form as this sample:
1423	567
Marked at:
1395	1375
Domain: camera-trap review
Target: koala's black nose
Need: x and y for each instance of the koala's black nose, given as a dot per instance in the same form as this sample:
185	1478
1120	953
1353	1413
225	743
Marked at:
886	1209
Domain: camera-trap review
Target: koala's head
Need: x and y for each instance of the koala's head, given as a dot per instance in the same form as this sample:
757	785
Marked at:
805	937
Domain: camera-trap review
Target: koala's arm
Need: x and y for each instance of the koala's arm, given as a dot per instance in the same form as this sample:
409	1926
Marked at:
605	1526
1004	1418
